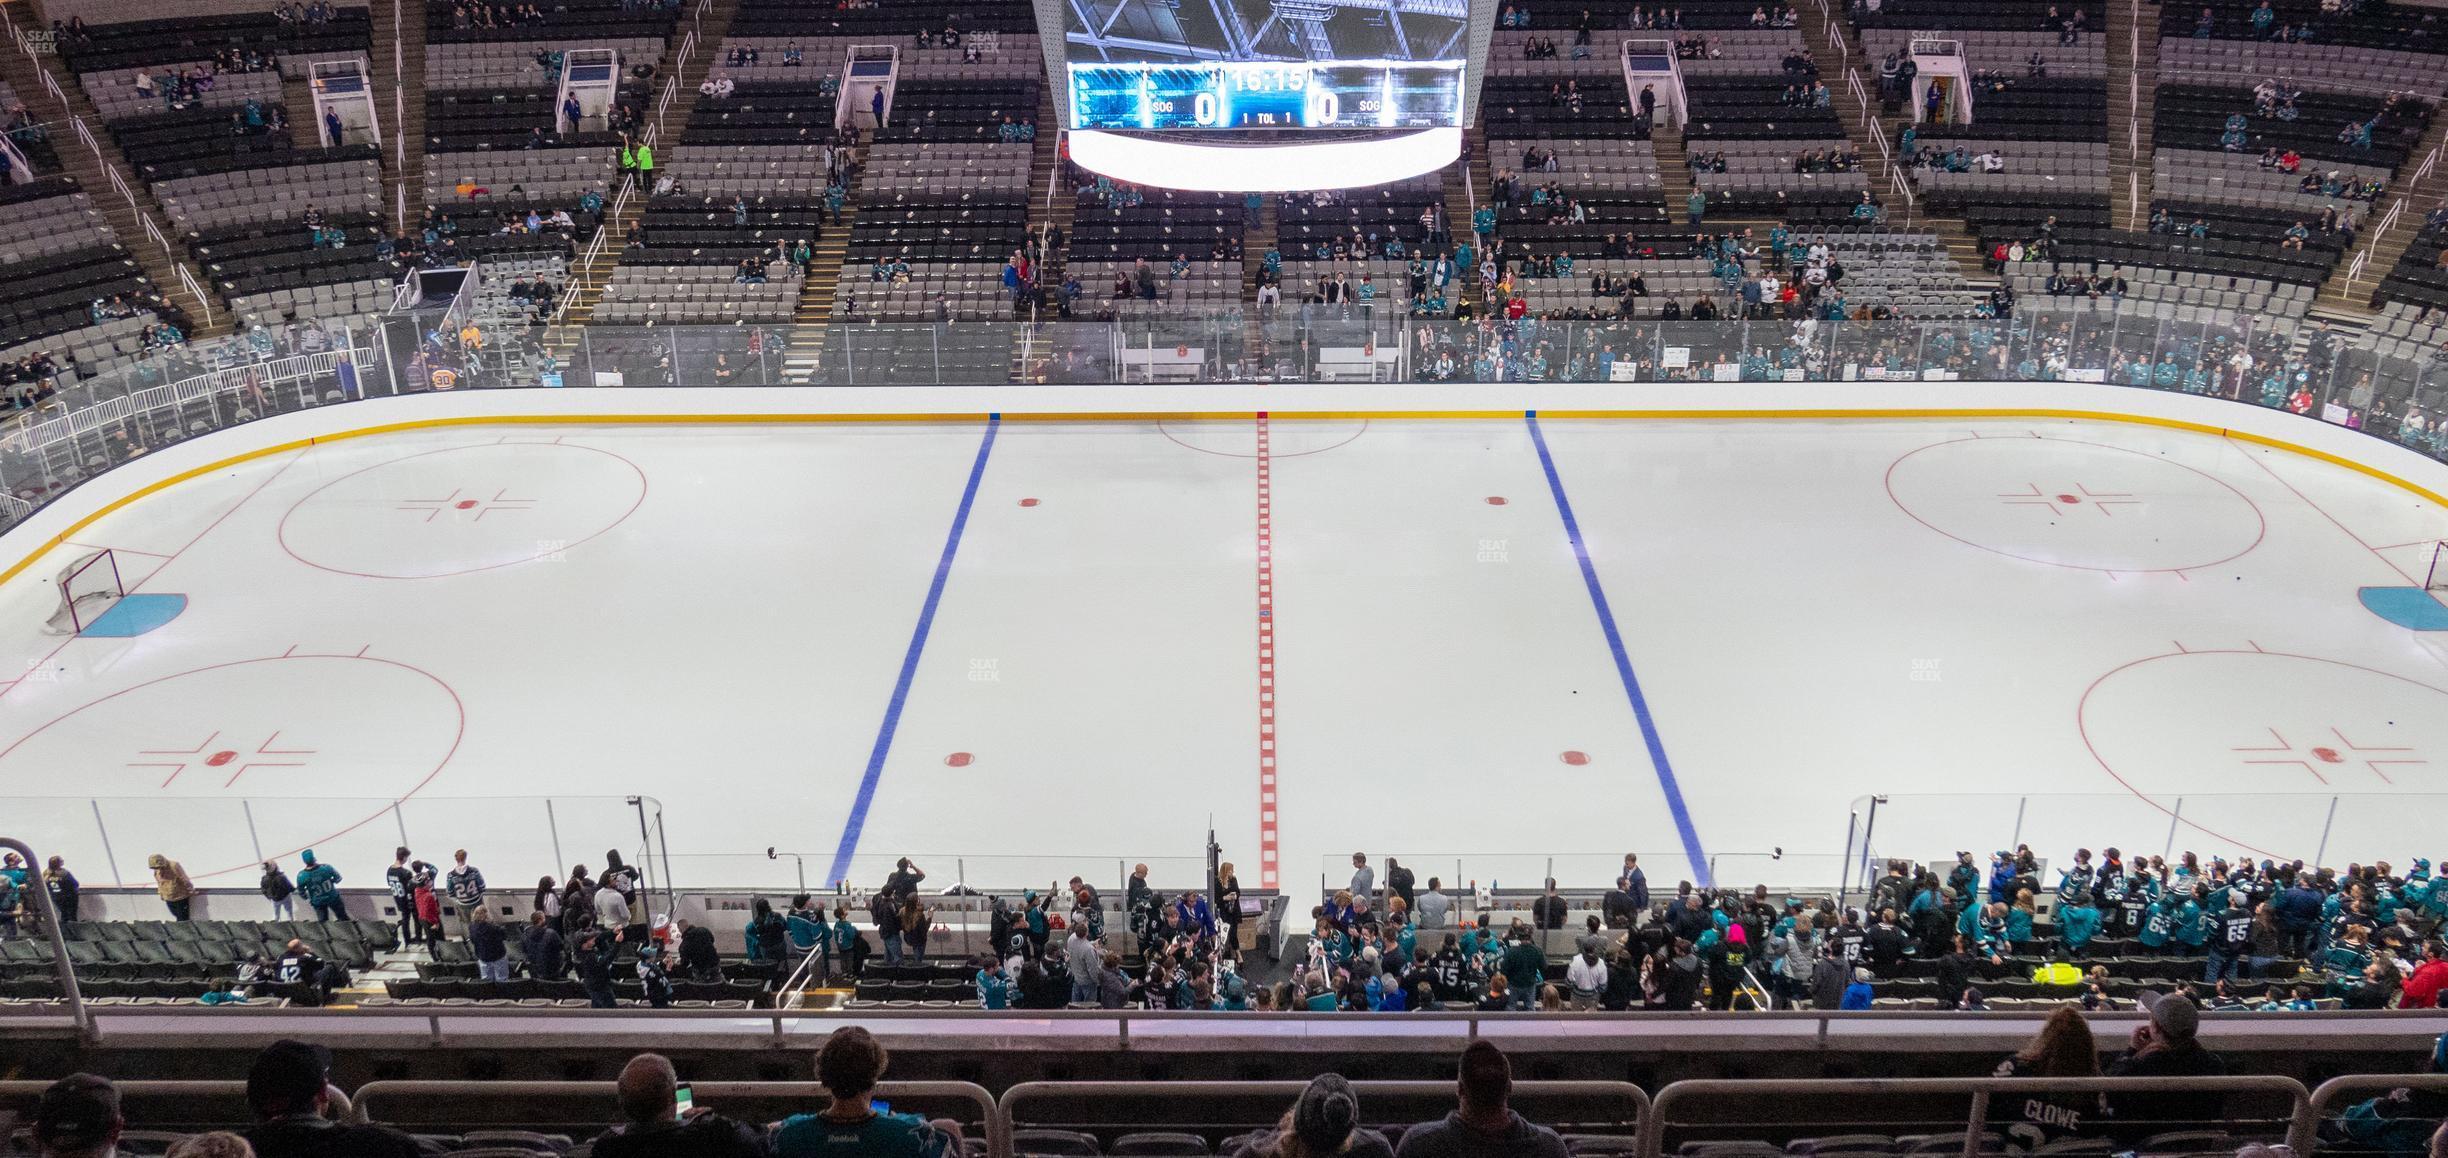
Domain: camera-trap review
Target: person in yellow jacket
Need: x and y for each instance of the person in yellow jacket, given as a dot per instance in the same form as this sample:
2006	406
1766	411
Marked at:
170	880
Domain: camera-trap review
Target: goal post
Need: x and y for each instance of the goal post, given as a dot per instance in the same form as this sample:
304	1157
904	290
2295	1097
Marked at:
88	586
2436	578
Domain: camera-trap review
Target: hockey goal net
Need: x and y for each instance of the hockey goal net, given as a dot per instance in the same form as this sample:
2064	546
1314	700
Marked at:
2436	578
88	585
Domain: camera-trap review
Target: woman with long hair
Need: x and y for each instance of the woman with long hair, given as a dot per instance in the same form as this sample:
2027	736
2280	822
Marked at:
2063	1048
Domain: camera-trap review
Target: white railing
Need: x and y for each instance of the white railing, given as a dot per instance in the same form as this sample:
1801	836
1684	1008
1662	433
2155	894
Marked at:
399	101
2133	199
34	437
187	278
1861	92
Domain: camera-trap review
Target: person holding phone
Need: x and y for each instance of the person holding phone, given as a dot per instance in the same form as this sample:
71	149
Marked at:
662	1120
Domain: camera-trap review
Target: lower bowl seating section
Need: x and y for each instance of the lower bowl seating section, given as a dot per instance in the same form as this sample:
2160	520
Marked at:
175	962
342	31
1309	226
2006	53
337	183
519	179
1808	180
896	171
2035	172
1111	238
2419	282
1764	108
525	65
57	259
2414	333
502	119
2324	127
692	294
2241	64
1910	274
308	226
1678	279
2217	259
754	171
481	23
143	90
2338	29
1001	56
964	290
2148	292
969	223
2244	181
1510	54
196	141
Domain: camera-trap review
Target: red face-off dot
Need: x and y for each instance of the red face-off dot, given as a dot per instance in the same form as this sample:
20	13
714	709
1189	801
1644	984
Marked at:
2328	756
2069	499
1028	502
1496	500
1575	758
220	758
467	504
958	759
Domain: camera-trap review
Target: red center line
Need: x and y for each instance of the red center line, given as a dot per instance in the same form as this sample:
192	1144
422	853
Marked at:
1269	860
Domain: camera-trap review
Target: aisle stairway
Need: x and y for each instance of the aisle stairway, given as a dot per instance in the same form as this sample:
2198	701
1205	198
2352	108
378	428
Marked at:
663	131
2133	82
1839	52
401	78
804	358
1050	200
2420	197
209	312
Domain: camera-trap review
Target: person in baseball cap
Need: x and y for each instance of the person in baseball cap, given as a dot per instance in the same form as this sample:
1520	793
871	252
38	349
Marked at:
296	1110
78	1116
2166	1046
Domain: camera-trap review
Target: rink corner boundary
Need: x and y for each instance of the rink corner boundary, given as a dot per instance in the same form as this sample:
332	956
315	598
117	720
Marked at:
1276	410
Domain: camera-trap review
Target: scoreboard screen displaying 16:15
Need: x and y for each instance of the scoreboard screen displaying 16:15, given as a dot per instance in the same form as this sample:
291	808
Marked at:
1267	94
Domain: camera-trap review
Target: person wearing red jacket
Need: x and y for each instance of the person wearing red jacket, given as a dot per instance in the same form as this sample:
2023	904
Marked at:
2422	990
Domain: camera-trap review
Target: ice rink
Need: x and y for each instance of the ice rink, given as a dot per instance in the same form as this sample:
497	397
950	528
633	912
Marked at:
1475	644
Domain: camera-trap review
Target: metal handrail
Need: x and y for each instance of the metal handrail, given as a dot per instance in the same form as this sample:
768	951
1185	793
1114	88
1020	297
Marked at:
1653	1130
51	932
2303	1136
998	1139
1634	1107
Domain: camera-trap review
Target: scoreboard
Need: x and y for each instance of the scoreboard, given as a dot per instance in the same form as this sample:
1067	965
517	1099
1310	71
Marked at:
1335	94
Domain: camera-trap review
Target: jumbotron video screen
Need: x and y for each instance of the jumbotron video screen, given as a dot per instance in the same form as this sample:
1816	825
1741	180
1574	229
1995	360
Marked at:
1259	64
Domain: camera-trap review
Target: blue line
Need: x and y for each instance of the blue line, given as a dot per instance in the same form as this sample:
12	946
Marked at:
909	663
1623	662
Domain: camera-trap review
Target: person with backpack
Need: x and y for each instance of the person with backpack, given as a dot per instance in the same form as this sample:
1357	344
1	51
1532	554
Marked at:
320	884
882	909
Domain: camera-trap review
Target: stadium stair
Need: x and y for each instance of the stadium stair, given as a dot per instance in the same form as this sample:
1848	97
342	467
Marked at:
592	276
297	95
803	360
25	76
1822	34
1051	199
2359	294
2133	85
404	119
1462	197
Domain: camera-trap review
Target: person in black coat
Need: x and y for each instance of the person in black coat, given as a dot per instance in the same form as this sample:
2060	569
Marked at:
541	945
699	959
